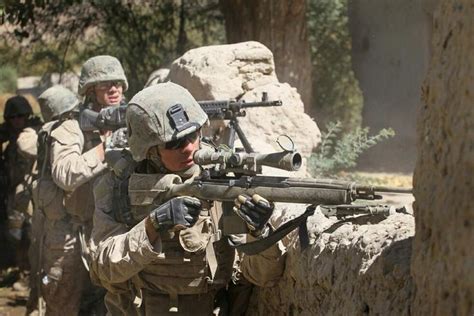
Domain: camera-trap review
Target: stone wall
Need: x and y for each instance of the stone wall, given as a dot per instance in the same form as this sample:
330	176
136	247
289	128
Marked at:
443	259
358	266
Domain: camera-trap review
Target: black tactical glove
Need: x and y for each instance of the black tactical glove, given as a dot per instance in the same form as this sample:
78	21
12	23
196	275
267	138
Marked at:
112	117
176	214
255	211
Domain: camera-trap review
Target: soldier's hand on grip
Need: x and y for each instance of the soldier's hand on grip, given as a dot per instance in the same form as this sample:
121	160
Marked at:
255	211
176	214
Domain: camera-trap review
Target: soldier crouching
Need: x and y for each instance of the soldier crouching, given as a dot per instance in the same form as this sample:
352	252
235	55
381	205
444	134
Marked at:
160	256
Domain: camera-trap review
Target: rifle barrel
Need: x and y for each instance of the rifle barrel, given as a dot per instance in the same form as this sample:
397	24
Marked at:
244	105
382	189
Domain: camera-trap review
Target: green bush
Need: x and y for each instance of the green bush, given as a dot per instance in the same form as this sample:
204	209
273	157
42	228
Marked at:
8	78
339	151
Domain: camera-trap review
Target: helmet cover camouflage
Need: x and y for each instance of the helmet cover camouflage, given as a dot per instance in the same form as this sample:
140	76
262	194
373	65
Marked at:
55	101
17	105
159	114
99	69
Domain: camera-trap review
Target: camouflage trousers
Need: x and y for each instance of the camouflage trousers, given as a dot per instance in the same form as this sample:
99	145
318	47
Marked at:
65	283
230	301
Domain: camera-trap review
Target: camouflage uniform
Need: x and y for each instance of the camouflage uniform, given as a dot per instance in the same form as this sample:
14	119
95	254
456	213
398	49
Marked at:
67	198
18	170
180	273
27	148
74	165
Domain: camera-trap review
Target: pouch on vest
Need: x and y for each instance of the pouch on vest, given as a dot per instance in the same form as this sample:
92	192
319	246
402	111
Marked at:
195	239
49	198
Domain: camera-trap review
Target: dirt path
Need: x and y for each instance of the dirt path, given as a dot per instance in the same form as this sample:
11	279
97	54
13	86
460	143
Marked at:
12	303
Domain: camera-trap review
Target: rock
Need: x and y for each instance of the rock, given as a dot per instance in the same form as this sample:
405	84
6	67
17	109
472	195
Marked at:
243	71
443	259
353	267
224	71
158	76
264	125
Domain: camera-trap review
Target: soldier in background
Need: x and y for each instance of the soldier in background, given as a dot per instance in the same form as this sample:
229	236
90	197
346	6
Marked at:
16	174
75	158
54	102
169	254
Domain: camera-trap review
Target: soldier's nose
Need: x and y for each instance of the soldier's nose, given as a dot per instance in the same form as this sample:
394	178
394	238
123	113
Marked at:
188	147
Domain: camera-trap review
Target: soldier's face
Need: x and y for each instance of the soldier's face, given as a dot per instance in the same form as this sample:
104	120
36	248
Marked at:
181	158
109	93
18	122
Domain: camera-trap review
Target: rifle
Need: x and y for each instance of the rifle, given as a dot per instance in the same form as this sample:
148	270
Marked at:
113	118
110	118
348	210
238	173
216	183
231	110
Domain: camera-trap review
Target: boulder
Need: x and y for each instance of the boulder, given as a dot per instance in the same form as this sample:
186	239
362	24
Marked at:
243	71
158	76
224	71
264	125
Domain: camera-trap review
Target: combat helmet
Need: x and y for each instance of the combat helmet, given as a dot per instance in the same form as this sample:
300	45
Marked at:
159	114
17	106
55	101
99	69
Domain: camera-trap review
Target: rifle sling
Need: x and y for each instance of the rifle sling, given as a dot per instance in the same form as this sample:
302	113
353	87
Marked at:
255	247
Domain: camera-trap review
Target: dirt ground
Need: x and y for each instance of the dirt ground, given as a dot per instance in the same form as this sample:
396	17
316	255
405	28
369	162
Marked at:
12	301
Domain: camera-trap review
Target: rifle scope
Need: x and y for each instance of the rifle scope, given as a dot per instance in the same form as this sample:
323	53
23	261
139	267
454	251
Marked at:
286	160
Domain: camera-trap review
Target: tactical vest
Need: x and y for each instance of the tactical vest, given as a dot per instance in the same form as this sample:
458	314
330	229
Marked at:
193	261
47	196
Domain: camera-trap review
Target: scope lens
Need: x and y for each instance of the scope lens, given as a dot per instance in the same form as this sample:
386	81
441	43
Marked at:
297	161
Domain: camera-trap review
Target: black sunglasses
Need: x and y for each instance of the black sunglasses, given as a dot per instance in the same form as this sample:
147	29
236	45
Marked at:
179	143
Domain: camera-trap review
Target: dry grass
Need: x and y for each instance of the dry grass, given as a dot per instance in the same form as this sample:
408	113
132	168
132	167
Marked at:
381	178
